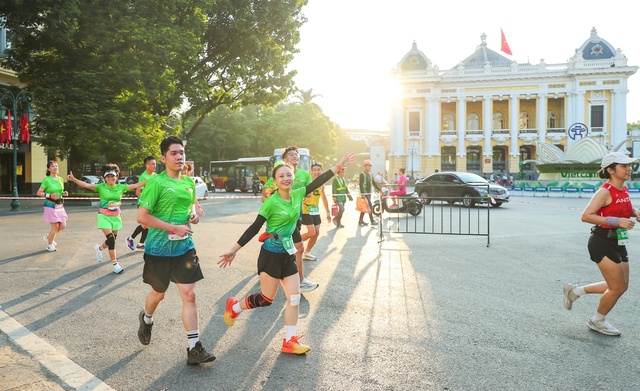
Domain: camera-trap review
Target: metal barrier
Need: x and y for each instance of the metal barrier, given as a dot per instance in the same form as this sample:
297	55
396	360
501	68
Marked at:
443	217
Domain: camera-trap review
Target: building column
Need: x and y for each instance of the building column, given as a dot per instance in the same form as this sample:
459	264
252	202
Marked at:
461	123
432	147
514	149
397	129
542	117
487	124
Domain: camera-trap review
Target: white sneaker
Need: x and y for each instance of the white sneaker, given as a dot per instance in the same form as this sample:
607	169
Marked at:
117	268
46	239
309	257
307	286
50	247
569	296
603	327
98	253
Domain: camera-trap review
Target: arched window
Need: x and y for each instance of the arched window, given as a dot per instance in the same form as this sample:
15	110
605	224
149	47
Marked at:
473	121
499	159
523	121
498	121
551	120
473	159
448	158
448	122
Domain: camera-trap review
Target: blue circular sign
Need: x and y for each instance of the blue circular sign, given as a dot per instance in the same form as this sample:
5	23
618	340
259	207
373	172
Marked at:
578	131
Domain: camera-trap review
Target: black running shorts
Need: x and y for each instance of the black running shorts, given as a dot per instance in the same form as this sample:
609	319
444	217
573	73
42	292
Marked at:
159	271
311	219
600	246
277	265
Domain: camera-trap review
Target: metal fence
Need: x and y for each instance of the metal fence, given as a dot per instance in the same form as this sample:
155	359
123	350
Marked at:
442	217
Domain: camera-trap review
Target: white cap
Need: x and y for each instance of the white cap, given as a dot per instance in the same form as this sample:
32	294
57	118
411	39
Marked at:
616	157
111	172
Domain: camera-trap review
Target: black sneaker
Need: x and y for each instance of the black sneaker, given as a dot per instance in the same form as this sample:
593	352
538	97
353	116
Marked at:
198	355
144	331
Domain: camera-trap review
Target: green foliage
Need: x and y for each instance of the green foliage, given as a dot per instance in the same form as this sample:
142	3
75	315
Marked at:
107	76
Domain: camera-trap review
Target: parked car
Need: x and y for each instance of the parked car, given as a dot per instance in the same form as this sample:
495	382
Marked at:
94	179
201	188
465	187
129	180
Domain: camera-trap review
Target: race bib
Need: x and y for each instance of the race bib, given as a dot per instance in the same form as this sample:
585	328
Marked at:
288	245
173	236
59	208
623	236
114	205
313	209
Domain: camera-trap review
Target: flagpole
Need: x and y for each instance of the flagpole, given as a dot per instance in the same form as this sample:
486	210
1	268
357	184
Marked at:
24	97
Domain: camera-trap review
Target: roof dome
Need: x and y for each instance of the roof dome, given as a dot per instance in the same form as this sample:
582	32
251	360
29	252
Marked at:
483	55
596	48
414	60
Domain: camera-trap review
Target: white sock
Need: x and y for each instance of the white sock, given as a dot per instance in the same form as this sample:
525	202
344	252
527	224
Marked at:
579	291
236	308
598	316
291	331
192	338
148	319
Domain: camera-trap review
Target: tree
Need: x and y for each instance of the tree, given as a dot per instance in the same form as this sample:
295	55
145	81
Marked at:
107	75
306	96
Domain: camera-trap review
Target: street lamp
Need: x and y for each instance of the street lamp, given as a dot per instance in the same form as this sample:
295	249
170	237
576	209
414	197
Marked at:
412	151
15	101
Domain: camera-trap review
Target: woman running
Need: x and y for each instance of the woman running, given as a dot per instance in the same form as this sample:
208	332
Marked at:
277	260
52	189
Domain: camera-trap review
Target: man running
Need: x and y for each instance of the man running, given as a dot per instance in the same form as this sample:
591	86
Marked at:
149	171
311	213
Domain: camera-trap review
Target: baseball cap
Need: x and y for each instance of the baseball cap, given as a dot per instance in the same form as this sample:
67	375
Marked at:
110	172
616	157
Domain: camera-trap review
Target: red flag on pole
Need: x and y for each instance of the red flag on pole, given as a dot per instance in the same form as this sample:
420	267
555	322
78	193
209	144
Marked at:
24	128
505	45
7	129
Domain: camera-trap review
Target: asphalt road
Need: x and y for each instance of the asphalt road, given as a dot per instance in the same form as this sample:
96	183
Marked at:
415	312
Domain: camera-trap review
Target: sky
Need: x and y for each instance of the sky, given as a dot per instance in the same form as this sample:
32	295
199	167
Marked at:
348	48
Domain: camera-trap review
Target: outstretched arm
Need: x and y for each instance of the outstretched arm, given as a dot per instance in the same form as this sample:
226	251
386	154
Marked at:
85	185
227	258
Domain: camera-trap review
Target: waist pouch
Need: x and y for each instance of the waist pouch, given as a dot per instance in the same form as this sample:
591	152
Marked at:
604	232
59	201
267	235
108	212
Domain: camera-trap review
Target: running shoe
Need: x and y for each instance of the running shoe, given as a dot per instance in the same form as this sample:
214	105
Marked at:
307	286
603	327
309	257
144	330
46	239
140	246
229	314
98	253
569	296
362	223
50	248
293	346
198	355
130	243
117	268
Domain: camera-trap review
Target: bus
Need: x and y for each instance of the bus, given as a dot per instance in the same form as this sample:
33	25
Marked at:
305	158
232	175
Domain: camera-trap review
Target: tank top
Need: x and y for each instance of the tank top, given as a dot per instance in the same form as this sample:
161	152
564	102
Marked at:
620	205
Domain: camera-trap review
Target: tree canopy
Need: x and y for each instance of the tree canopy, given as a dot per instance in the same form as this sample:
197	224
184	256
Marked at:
106	76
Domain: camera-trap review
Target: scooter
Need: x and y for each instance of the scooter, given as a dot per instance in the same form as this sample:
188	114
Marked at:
409	203
256	186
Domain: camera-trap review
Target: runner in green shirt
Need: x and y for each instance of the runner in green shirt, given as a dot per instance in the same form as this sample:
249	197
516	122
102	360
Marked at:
52	189
166	207
149	171
109	220
276	262
302	178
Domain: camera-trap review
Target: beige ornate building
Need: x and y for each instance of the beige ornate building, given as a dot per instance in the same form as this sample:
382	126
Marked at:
487	114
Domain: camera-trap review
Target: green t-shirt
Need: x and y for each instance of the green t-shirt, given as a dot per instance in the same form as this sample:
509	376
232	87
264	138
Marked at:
145	177
170	200
111	197
52	186
282	217
301	178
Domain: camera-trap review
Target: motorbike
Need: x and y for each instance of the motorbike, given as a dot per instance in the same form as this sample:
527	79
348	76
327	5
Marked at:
409	203
257	186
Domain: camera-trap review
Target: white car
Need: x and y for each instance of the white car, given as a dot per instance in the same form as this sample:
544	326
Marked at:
201	187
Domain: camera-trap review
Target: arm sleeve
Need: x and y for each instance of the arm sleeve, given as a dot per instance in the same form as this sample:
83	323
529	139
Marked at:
319	181
252	230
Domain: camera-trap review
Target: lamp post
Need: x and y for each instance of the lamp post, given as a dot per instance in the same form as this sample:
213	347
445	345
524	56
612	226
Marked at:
15	100
412	151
